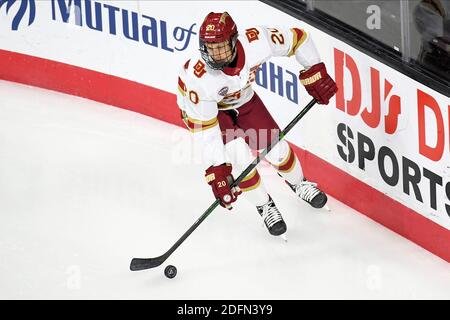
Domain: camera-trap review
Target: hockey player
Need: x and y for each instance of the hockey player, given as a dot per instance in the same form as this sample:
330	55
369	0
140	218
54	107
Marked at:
227	117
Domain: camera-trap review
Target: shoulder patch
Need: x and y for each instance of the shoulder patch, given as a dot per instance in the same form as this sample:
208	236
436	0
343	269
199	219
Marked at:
252	34
199	69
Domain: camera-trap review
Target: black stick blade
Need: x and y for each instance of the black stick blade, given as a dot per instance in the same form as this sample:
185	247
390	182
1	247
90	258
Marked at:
138	264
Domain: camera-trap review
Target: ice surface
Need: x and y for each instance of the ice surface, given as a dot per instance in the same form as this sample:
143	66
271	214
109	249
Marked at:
84	187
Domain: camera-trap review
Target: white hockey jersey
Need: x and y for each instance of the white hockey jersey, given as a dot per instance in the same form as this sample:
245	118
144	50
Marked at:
203	92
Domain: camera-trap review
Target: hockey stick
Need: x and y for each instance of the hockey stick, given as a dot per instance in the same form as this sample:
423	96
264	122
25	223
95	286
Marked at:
147	263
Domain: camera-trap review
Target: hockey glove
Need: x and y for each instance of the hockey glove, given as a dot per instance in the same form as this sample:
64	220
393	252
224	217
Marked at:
318	83
220	180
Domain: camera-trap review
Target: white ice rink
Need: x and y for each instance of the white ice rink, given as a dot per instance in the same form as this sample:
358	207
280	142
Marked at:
84	187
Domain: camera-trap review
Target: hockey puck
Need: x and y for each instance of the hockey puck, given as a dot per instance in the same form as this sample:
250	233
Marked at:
170	271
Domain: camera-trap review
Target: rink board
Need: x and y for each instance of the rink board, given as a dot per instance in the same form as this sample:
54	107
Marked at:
381	146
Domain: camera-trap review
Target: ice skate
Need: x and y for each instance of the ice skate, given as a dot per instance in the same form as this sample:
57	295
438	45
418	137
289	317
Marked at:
308	191
272	218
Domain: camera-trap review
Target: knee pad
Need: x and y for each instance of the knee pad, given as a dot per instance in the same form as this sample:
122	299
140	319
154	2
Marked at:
239	153
279	153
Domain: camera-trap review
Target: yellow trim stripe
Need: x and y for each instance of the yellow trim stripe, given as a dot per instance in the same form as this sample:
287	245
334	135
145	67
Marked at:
285	160
252	187
249	176
296	43
291	168
195	125
200	129
203	123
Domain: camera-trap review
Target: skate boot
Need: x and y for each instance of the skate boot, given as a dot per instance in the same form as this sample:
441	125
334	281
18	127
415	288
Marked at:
309	192
272	218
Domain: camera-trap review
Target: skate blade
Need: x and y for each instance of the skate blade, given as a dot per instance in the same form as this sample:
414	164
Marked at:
284	237
327	208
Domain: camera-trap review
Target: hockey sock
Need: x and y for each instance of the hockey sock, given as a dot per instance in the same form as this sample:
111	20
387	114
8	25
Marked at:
253	189
241	156
286	162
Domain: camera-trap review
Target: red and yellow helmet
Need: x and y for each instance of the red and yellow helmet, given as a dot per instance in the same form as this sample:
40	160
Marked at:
217	28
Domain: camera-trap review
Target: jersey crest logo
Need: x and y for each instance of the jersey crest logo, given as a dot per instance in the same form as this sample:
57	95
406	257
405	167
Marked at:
223	92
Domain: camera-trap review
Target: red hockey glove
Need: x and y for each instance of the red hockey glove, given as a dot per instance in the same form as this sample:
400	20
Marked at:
220	180
318	83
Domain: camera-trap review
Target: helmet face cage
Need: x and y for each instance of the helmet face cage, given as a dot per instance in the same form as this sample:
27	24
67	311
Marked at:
225	47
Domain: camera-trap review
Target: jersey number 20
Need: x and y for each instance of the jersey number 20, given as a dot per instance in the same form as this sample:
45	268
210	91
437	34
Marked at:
277	36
